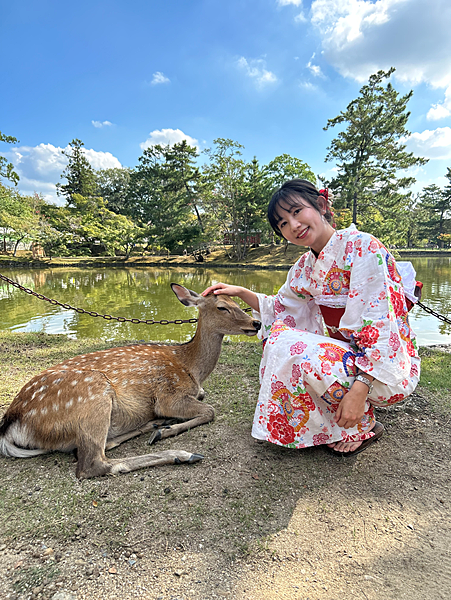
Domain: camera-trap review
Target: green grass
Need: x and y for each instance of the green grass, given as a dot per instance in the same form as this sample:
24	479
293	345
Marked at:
435	369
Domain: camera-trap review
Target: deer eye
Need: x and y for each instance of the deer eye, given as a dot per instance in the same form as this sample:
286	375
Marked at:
223	308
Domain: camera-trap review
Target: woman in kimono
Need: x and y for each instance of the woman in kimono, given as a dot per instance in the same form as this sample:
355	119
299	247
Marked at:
317	389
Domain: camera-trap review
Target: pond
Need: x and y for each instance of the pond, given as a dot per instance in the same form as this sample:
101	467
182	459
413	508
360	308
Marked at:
144	293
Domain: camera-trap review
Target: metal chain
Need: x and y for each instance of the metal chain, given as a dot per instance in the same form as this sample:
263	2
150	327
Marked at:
435	314
92	313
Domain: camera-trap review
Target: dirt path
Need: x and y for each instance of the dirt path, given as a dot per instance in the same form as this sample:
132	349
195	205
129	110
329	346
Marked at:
251	522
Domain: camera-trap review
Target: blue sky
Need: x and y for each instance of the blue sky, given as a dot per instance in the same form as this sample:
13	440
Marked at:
121	75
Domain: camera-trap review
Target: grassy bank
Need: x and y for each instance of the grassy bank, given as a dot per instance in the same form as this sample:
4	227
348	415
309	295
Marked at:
262	257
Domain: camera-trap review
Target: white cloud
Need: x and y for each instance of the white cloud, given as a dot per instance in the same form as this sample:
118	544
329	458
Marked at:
441	109
40	167
167	136
287	2
300	18
308	86
256	70
314	69
158	78
433	144
359	37
99	124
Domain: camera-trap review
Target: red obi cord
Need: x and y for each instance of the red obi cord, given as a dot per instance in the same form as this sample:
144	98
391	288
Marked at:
332	318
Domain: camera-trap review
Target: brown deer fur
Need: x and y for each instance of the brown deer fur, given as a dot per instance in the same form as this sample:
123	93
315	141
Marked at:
96	401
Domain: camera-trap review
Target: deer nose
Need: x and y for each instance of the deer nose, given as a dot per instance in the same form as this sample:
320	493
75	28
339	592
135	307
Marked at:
256	324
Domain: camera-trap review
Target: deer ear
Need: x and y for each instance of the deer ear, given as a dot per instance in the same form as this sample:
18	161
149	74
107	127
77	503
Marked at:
186	296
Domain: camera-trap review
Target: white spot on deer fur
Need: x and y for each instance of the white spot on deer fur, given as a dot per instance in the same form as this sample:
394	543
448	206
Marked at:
42	388
32	412
73	382
58	393
34	394
89	379
80	399
55	407
69	403
58	380
44	410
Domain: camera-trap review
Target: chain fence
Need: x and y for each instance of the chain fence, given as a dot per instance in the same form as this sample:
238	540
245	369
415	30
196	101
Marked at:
93	313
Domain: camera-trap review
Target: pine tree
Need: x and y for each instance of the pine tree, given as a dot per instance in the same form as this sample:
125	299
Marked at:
79	174
370	154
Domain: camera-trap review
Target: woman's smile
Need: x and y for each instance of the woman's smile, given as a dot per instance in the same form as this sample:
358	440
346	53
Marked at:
303	225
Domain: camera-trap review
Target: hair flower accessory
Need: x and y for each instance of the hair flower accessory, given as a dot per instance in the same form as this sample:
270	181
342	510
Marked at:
324	193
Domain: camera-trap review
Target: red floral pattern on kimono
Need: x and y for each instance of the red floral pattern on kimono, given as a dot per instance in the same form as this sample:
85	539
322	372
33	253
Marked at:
304	375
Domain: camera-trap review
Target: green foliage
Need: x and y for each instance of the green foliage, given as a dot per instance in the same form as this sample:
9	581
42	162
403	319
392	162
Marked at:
236	195
113	186
163	195
286	167
7	168
19	216
435	204
79	174
370	155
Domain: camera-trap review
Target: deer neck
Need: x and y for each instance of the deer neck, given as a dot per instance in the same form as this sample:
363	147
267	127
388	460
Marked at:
202	352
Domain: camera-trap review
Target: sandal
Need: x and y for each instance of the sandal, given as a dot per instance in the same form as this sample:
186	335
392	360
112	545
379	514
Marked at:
378	431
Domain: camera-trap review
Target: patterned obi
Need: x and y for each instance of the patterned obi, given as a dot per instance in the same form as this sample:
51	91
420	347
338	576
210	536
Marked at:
332	318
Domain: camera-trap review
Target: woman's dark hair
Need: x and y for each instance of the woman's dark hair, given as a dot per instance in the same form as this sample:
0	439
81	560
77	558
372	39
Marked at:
290	193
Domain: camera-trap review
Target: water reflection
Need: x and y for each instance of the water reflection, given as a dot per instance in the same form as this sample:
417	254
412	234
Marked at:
145	294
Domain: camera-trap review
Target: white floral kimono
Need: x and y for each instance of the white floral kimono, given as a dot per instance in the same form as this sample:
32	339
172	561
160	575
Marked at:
304	374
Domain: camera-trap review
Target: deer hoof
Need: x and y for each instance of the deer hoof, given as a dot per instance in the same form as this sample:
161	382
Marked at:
156	435
192	459
195	458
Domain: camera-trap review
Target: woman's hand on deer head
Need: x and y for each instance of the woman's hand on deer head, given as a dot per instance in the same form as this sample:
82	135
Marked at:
233	290
223	288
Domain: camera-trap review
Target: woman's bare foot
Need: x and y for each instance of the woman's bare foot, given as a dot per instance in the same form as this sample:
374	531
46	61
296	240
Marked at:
347	446
344	446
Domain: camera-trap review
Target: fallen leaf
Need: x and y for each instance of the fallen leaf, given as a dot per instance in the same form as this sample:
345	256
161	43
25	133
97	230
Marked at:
112	570
18	564
255	476
94	502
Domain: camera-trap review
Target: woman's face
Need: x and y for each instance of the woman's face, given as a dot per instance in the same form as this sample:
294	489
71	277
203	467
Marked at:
301	224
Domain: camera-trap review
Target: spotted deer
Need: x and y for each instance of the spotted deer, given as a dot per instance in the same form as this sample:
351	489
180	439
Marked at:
94	402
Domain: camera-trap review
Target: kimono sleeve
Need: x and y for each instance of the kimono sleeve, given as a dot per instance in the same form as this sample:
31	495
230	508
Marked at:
376	313
293	308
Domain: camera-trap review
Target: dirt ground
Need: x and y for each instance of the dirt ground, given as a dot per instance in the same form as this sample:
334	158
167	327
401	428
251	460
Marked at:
251	521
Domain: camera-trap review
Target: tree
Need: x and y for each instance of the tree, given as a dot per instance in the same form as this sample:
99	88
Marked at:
113	185
370	155
7	168
286	167
79	174
19	216
163	196
225	197
436	205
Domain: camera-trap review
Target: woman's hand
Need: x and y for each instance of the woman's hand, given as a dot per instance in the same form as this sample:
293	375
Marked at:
224	288
234	290
352	408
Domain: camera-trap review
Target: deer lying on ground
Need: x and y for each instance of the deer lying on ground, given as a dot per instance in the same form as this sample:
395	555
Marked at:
94	402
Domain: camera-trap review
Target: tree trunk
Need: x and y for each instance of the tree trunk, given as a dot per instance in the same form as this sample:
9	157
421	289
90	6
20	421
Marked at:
354	209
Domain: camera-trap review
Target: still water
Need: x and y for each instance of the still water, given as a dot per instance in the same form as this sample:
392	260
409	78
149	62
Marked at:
145	294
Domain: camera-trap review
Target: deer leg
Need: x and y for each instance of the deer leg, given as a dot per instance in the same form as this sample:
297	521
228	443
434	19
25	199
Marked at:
91	438
150	426
194	412
168	457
